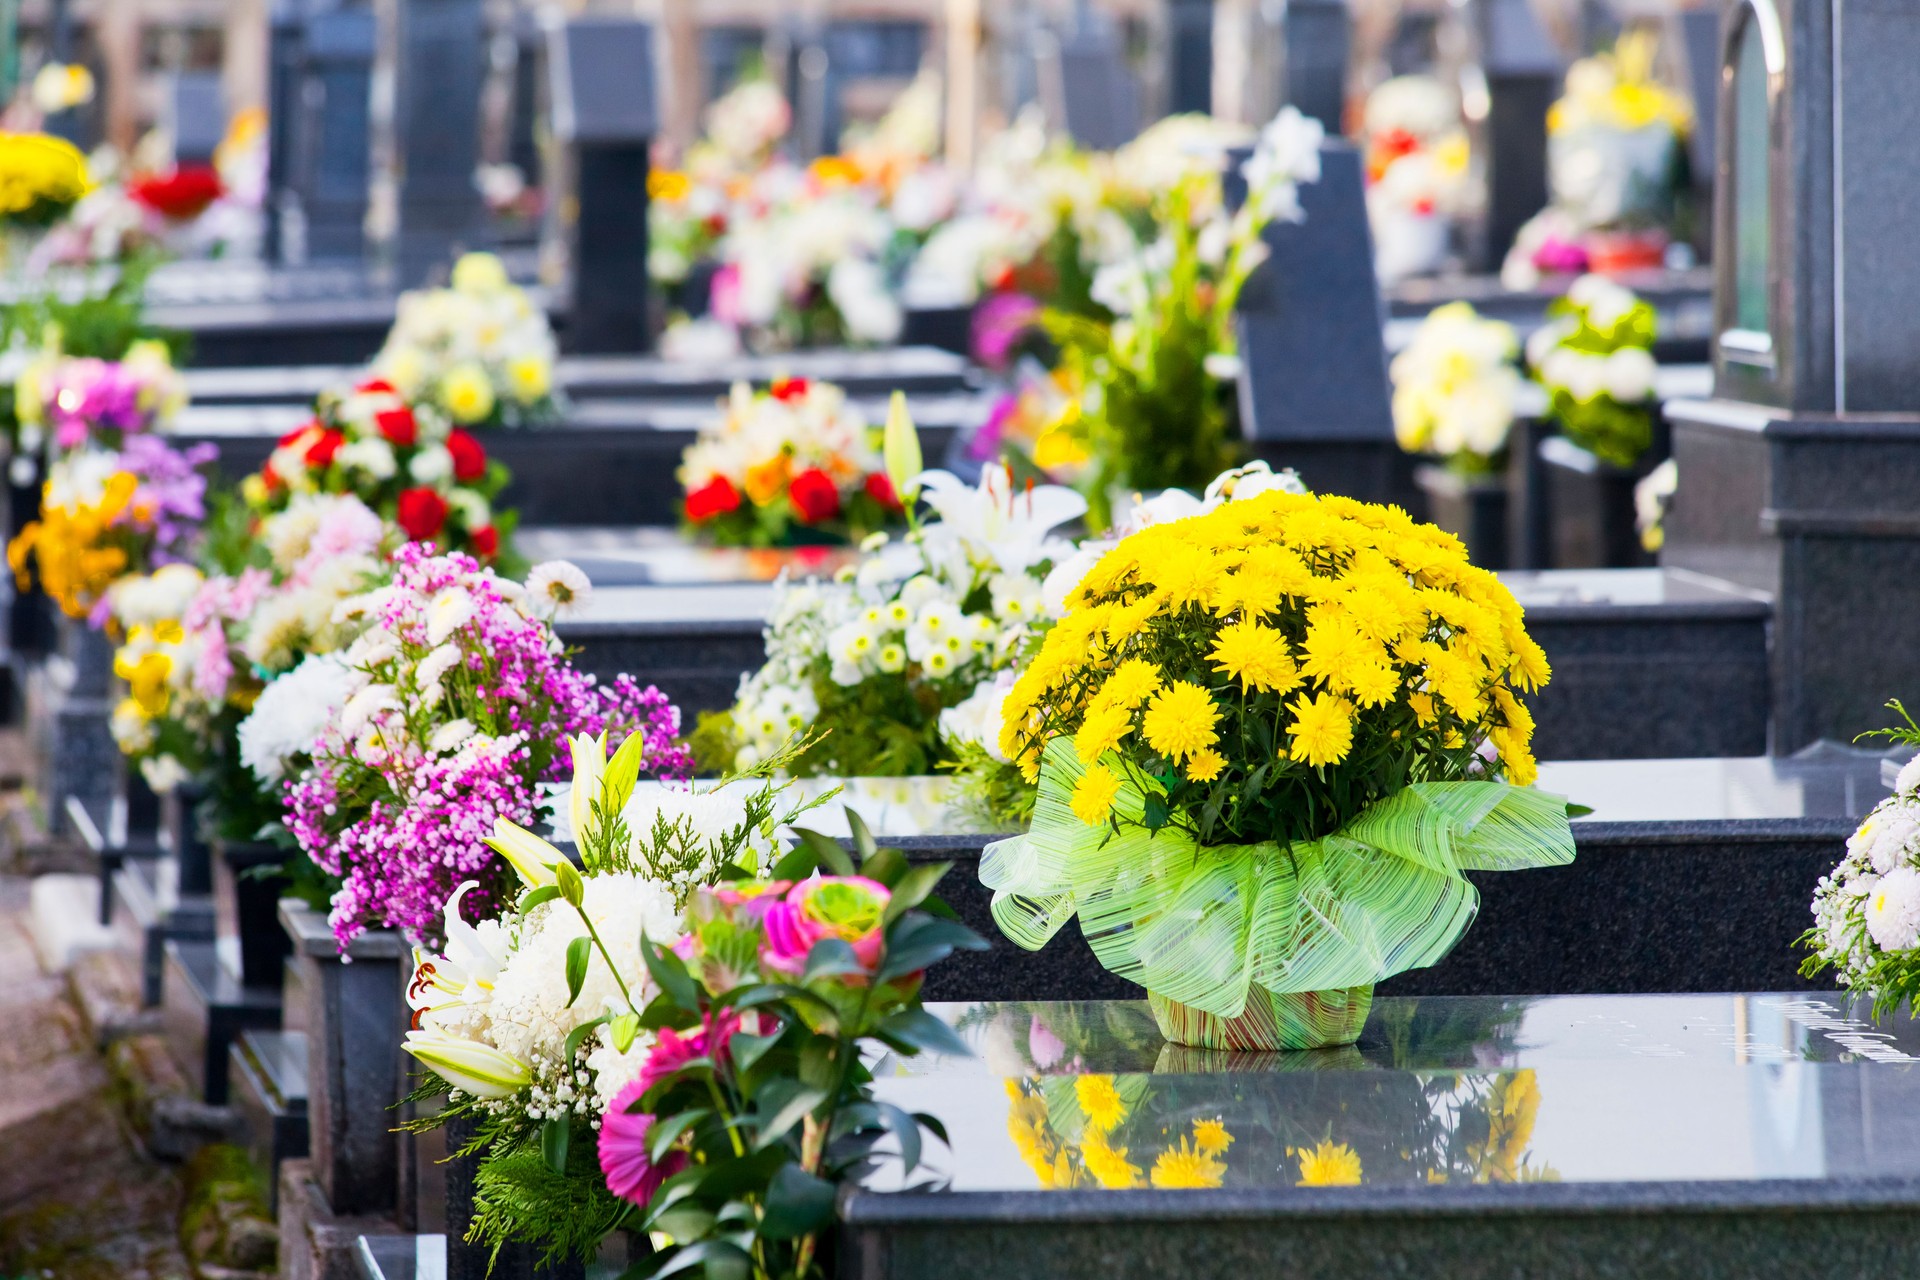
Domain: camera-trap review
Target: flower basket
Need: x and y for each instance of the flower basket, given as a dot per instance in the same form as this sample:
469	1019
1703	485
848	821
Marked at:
1270	741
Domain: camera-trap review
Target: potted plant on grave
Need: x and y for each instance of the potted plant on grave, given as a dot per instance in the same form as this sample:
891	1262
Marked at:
1453	393
1269	741
668	1041
1594	358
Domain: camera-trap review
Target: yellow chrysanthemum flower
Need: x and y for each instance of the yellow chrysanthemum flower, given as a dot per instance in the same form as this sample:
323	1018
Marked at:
467	394
1211	1136
1257	656
1330	1164
1108	1164
531	378
1132	683
1180	720
1205	765
1093	795
1322	729
1102	731
1100	1101
1183	1167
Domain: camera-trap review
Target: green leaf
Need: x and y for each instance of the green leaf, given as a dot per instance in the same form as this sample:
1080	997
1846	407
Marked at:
572	888
920	941
578	1034
685	1221
905	1128
817	1062
798	1105
923	1031
797	1204
830	958
1155	812
827	852
886	866
745	1050
863	841
798	863
579	954
913	889
555	1137
669	973
1578	810
624	1028
668	1128
534	897
722	1260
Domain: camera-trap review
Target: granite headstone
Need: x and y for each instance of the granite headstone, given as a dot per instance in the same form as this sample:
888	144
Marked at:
601	84
1318	41
1802	476
196	116
1523	70
1313	369
439	66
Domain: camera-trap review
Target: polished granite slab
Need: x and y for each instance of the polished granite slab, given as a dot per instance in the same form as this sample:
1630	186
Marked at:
916	370
1639	1136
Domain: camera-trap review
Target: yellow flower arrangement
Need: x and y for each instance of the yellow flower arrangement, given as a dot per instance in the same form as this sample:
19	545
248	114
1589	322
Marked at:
1618	91
41	177
1271	667
74	547
1270	740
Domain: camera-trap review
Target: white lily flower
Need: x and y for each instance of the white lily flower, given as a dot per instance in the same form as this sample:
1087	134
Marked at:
468	1065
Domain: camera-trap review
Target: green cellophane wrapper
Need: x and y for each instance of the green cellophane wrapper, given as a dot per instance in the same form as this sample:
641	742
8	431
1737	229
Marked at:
1229	939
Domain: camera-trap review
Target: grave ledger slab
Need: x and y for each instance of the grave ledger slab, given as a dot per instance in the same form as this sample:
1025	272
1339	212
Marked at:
1571	1138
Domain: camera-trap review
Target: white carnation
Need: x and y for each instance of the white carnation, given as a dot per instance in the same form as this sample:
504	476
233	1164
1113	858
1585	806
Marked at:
1893	910
291	713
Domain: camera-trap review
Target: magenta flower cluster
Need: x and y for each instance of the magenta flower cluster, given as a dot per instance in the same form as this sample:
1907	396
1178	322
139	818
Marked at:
86	397
406	784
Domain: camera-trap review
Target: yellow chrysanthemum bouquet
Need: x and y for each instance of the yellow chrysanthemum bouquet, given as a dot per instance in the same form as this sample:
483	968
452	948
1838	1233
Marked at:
1269	740
41	177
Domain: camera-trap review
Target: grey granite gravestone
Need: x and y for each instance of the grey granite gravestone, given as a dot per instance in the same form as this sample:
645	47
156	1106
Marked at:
196	116
1313	367
1318	39
866	49
1523	70
1099	97
1699	32
601	82
1801	476
439	66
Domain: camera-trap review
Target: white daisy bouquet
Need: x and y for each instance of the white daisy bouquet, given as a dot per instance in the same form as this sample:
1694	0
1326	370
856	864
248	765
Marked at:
479	351
1594	356
1454	386
1866	911
894	668
791	463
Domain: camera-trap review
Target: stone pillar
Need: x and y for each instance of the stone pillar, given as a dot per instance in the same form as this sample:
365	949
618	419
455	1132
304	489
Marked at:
1523	71
1802	476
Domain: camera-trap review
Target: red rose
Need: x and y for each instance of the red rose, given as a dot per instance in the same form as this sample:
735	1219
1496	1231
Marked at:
398	426
377	385
179	196
320	452
814	495
714	498
784	389
880	489
272	477
469	458
486	542
421	512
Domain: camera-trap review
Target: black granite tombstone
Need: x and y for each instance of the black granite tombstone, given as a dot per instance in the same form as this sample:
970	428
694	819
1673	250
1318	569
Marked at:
1318	41
1313	369
439	65
601	85
322	210
1802	476
1189	69
1098	96
1523	70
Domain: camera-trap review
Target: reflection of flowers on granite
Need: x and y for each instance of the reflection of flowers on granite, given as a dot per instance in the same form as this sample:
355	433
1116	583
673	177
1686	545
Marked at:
1095	1131
1331	1164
